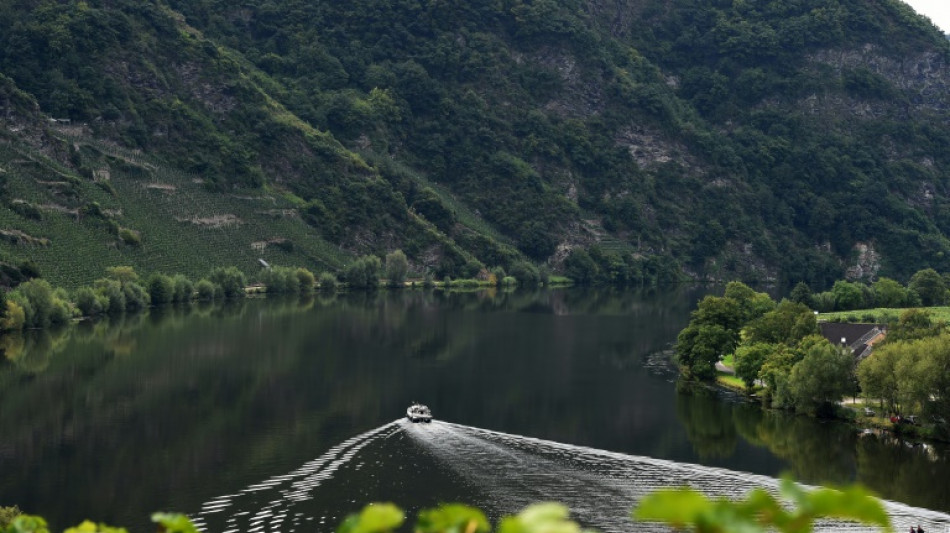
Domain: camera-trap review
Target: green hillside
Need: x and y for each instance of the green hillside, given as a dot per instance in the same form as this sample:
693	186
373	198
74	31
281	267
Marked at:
762	139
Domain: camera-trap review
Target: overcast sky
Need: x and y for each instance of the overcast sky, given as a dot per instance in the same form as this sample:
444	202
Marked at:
937	10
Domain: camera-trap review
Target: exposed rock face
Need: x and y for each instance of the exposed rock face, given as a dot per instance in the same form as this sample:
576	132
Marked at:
867	263
924	79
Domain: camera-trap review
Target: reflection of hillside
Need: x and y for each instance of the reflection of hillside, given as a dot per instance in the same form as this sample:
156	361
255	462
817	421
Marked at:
187	404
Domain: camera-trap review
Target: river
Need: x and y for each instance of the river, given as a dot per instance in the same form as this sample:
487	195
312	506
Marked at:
284	414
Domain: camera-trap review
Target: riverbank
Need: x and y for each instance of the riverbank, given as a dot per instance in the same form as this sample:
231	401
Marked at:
862	414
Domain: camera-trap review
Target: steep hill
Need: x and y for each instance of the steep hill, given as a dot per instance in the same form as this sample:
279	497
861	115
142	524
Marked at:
782	140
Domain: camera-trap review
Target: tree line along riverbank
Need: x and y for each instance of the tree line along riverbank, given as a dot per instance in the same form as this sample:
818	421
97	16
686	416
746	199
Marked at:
35	303
779	357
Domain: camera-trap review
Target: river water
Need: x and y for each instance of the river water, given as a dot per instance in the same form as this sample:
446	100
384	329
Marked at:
285	414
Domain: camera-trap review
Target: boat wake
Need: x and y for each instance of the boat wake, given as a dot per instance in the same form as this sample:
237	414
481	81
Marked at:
267	505
498	472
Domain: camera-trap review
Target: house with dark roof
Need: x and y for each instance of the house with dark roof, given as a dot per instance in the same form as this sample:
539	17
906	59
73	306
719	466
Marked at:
860	338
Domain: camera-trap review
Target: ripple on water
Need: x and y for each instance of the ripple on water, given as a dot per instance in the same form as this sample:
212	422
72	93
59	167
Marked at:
500	473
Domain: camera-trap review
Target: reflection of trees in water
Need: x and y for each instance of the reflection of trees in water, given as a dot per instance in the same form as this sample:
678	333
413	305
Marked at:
30	351
713	426
898	470
817	452
707	420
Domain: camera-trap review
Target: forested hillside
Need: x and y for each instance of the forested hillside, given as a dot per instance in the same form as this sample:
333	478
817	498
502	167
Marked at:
621	141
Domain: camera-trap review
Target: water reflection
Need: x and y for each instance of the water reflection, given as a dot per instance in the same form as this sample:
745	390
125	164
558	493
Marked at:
115	419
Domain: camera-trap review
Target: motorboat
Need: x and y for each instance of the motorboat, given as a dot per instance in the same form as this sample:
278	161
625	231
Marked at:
418	413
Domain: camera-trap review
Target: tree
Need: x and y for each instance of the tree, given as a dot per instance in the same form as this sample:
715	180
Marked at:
122	274
230	279
327	282
699	347
749	360
580	267
889	293
364	272
929	286
821	378
712	332
526	274
788	323
914	324
848	295
877	375
802	294
397	266
305	280
752	304
161	289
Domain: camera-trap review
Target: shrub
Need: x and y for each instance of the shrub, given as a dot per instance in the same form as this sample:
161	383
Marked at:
305	280
364	272
111	294
38	294
130	237
161	289
509	281
281	280
328	282
428	281
526	273
206	290
87	301
397	266
184	289
15	318
230	279
136	297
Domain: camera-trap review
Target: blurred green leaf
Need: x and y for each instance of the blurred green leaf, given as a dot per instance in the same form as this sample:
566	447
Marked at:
452	518
761	511
91	527
174	523
374	518
27	524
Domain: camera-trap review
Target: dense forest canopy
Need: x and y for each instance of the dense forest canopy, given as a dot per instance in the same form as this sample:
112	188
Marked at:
620	141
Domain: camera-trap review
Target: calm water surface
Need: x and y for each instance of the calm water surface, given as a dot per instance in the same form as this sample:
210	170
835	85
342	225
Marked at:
283	415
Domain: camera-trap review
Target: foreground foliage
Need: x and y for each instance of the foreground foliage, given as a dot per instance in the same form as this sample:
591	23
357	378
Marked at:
685	509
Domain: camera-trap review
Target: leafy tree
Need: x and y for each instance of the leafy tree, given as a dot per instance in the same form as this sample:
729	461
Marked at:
364	272
328	282
749	360
281	280
161	289
87	301
230	279
914	324
184	289
889	293
753	304
774	373
580	267
699	347
111	294
713	331
397	266
802	294
305	280
821	378
122	274
786	324
848	295
877	375
206	290
929	286
526	274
